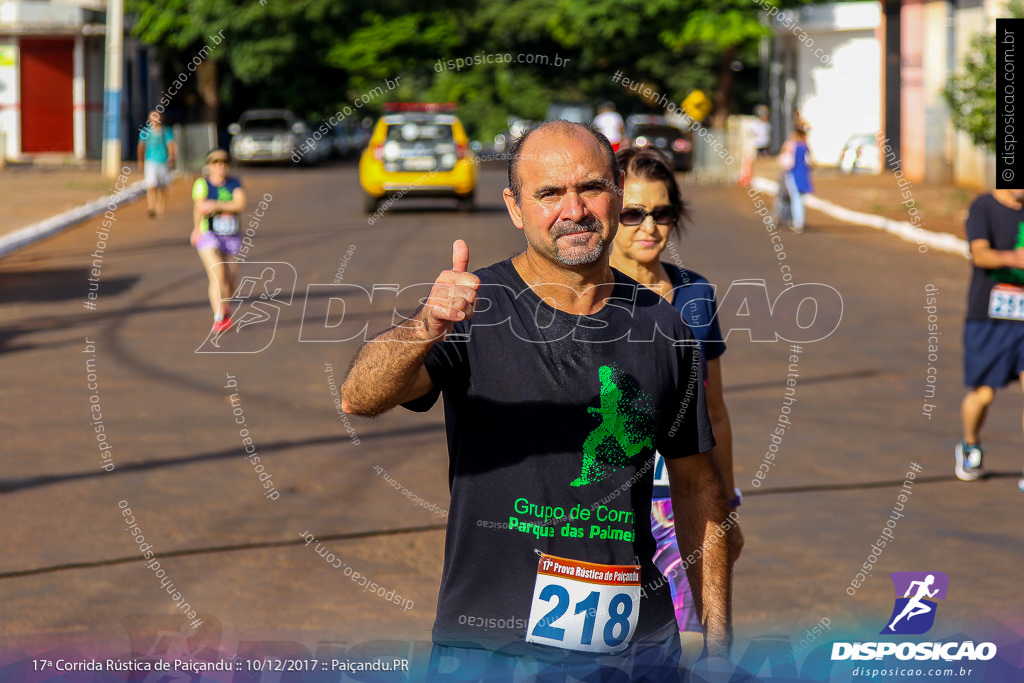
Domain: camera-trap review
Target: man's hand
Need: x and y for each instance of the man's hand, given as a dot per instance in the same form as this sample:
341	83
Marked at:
452	298
1015	258
389	369
984	256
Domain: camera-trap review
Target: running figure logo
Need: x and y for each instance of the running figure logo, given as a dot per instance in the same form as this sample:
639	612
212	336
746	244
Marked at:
626	429
263	287
914	613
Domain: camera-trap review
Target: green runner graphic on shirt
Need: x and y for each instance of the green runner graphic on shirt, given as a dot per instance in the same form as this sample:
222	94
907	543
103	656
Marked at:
626	429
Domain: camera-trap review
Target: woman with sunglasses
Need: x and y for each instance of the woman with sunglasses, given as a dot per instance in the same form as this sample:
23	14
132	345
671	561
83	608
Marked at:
652	210
218	201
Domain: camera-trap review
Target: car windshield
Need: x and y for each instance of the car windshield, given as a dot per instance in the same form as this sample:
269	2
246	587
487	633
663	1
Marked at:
420	132
265	126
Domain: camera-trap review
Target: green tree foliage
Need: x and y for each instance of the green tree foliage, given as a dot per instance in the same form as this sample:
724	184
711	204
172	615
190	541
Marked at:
971	92
274	53
673	46
316	56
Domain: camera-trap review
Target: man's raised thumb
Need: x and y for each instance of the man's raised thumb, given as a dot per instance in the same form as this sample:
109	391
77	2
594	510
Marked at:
460	256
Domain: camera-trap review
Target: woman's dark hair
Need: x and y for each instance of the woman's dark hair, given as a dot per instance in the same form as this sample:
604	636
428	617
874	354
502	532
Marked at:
650	164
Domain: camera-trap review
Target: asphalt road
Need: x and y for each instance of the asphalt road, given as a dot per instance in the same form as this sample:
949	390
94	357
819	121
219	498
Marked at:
373	492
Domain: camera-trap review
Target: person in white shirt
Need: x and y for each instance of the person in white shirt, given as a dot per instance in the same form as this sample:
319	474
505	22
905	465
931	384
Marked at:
610	123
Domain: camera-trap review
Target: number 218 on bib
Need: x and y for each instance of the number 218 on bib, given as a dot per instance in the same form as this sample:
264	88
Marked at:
584	606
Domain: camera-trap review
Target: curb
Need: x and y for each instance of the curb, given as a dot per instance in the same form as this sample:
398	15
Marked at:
23	237
939	241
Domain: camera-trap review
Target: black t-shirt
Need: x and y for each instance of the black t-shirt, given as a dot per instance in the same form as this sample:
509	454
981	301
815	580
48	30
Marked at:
1003	227
552	422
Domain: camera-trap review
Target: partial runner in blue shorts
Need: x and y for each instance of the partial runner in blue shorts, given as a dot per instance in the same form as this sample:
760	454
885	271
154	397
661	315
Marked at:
993	353
994	331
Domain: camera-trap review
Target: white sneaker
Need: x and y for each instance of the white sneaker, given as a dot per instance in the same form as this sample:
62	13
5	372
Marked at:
968	461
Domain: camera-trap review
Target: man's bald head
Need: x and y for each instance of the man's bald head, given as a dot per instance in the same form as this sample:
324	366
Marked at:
555	128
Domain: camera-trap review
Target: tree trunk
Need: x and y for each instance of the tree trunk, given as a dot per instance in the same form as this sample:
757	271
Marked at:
723	95
208	87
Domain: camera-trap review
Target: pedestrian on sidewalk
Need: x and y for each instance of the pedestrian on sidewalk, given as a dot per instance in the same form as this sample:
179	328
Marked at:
157	155
994	329
795	161
761	131
610	123
218	200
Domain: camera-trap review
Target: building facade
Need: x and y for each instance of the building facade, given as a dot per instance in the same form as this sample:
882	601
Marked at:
51	80
879	68
827	64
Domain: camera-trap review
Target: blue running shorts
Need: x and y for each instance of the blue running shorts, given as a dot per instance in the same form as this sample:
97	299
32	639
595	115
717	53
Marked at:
993	352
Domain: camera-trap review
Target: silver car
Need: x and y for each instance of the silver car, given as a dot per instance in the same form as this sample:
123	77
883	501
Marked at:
275	135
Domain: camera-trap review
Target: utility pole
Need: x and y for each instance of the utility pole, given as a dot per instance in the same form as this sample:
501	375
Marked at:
113	80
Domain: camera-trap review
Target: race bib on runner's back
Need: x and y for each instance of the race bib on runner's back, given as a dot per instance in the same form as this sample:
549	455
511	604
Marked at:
225	224
584	606
1006	302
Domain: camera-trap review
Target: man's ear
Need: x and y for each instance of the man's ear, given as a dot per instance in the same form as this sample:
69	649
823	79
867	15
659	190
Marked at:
618	190
515	212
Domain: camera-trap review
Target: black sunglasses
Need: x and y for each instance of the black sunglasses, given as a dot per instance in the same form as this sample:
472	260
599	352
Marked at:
662	215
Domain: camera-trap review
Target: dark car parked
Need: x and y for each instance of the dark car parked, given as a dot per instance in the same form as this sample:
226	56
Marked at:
656	132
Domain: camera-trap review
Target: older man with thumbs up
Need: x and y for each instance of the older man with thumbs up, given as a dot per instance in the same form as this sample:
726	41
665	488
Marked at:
560	378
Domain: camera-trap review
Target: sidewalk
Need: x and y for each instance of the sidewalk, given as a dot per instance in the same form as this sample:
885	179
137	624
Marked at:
940	209
39	200
35	193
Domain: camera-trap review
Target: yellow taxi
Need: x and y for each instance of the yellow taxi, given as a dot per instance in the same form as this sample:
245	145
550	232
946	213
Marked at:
417	150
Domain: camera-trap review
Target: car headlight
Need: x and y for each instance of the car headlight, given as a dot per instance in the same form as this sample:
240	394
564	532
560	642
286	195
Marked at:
392	150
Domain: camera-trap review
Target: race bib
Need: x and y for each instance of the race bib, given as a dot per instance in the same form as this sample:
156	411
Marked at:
225	224
1006	302
584	606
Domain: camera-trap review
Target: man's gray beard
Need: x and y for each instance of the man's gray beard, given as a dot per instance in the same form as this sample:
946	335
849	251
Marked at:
579	258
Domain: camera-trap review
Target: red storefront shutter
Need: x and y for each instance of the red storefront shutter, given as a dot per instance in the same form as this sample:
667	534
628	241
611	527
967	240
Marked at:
47	70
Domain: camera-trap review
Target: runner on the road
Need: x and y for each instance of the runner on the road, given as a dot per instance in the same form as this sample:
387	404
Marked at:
564	584
653	210
218	202
994	331
157	152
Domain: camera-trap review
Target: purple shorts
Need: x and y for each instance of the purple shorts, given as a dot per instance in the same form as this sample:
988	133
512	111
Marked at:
668	560
225	244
